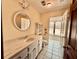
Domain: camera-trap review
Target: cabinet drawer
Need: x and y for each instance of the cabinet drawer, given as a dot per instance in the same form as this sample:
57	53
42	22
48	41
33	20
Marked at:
21	55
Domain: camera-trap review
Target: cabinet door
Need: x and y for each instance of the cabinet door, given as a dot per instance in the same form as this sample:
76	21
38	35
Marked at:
33	50
40	43
32	46
32	55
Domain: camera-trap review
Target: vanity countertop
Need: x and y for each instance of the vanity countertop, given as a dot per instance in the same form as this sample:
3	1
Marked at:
12	47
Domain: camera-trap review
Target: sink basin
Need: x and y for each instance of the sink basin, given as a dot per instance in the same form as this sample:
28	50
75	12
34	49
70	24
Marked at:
30	39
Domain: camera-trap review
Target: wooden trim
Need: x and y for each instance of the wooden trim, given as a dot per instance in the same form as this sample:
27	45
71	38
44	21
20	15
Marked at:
70	30
74	5
2	48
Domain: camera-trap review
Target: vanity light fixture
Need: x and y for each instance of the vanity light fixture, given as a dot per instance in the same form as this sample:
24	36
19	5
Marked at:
24	4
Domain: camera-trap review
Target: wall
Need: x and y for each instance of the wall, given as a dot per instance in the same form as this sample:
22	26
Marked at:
9	7
45	17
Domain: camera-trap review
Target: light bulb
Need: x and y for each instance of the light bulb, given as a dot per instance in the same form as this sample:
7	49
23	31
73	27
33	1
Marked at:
49	4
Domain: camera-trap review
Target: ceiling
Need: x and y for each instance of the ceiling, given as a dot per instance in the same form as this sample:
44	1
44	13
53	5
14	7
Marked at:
56	5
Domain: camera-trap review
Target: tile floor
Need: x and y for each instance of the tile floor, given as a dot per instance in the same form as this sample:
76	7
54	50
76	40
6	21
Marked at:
54	49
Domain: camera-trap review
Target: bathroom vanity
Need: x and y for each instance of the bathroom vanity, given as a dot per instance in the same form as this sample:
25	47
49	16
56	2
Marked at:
23	47
27	48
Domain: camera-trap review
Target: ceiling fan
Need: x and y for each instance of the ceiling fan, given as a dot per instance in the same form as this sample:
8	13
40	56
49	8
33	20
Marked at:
47	3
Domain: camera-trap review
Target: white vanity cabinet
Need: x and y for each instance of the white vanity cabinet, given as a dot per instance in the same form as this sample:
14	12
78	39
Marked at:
31	51
21	55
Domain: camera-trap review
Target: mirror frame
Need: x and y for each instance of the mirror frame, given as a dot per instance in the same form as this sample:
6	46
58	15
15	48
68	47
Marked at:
14	23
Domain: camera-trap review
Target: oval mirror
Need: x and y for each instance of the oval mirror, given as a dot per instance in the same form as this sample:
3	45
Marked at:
21	21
